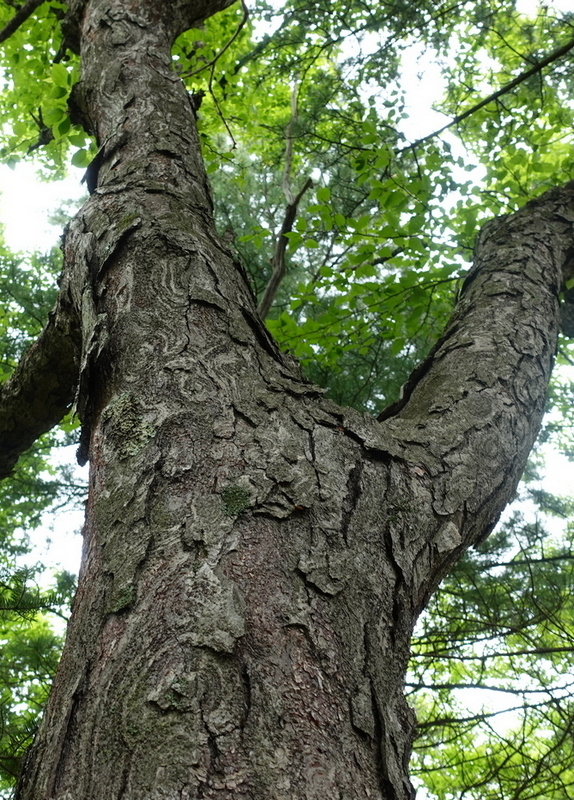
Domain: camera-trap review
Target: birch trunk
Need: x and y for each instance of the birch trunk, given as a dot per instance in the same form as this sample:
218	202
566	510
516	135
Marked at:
255	557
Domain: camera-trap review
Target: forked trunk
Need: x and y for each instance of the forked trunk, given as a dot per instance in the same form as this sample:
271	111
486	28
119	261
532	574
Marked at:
255	557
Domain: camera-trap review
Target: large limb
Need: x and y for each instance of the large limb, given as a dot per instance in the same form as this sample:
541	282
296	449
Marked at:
471	412
41	390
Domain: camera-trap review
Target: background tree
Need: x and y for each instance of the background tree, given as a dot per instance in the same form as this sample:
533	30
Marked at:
364	292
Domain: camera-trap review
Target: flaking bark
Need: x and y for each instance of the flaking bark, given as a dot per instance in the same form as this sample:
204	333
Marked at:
255	556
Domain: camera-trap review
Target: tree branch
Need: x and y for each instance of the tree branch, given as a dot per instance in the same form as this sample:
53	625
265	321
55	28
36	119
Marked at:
211	64
533	651
457	721
19	18
470	413
508	87
289	145
41	389
278	260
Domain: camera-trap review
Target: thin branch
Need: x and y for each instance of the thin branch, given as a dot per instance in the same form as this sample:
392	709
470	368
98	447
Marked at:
218	107
211	66
434	687
535	651
483	716
508	87
289	145
45	135
19	18
565	356
278	260
224	48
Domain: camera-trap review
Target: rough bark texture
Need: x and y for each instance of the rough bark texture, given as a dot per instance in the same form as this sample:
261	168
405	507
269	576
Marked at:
255	557
41	390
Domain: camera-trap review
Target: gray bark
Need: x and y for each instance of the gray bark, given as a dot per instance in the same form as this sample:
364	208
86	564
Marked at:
255	557
41	389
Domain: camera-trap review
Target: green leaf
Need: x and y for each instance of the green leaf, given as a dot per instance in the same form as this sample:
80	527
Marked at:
60	76
54	115
81	158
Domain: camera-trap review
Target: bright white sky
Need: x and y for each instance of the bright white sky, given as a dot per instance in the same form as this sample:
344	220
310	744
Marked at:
26	203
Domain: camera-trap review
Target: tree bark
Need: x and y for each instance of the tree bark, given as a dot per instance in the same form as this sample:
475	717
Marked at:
41	389
255	557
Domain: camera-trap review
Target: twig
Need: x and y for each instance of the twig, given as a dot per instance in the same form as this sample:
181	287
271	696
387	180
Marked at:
224	48
218	107
289	145
211	66
565	356
19	18
45	133
278	260
538	67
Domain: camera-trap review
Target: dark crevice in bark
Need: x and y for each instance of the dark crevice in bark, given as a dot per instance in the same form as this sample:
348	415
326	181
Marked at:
379	748
351	498
244	669
245	419
123	790
414	378
67	733
264	339
312	589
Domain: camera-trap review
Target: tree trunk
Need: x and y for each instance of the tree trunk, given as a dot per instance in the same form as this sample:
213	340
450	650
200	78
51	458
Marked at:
255	557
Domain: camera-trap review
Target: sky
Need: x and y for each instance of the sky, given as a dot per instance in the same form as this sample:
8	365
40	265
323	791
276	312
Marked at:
25	206
26	203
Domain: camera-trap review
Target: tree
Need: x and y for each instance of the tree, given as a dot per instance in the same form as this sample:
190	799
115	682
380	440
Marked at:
255	555
498	626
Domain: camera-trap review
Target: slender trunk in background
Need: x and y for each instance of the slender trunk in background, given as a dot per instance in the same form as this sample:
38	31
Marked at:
255	557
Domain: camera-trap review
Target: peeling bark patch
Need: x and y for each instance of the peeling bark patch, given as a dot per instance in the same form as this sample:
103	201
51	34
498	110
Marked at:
448	538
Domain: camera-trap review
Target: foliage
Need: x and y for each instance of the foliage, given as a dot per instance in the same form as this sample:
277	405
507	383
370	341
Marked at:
30	654
30	647
37	79
499	636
